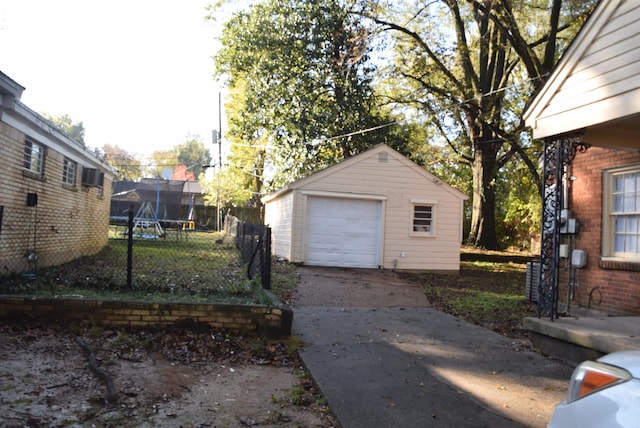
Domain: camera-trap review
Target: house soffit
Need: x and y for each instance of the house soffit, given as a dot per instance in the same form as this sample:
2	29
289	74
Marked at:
622	133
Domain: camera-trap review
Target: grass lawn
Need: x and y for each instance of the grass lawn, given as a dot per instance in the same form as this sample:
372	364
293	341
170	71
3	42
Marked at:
200	267
489	291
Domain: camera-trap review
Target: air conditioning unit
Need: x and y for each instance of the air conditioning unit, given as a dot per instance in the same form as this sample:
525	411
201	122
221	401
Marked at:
532	281
92	177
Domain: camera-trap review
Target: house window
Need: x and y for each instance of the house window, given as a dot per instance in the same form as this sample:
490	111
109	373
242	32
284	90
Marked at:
69	172
422	219
621	231
33	157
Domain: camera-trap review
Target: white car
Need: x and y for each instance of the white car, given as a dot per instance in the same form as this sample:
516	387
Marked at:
602	393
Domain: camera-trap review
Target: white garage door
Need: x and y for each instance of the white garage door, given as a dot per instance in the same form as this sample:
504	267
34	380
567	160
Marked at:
343	232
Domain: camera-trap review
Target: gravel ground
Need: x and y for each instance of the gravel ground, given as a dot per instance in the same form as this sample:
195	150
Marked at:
336	287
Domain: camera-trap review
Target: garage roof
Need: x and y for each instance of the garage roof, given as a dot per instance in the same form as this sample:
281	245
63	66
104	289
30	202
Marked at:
346	163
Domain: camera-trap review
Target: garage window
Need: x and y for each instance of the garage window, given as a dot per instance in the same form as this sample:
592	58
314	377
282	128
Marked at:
422	219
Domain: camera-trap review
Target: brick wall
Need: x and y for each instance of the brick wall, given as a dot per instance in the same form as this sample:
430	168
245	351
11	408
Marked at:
72	221
604	286
265	320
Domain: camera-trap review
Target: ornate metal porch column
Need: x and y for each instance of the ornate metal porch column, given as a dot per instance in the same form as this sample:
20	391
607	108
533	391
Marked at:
559	151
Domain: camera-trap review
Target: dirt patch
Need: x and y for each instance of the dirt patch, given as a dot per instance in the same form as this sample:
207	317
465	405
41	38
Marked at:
181	378
337	287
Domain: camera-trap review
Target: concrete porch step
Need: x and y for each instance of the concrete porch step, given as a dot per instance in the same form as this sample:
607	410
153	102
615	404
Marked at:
576	339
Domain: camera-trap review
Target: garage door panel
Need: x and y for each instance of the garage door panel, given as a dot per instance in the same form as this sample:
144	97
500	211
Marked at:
342	232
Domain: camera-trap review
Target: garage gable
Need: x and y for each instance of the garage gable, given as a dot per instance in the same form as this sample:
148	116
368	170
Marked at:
367	172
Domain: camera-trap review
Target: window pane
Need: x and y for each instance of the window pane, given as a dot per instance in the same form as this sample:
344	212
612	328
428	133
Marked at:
631	224
617	183
27	155
630	244
629	202
619	224
618	243
33	156
69	172
629	183
617	203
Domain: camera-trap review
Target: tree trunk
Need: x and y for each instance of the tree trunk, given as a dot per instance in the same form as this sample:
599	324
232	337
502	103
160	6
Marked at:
483	218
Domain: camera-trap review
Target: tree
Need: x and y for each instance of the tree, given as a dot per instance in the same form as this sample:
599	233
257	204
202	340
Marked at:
469	67
73	130
129	168
302	89
193	154
160	160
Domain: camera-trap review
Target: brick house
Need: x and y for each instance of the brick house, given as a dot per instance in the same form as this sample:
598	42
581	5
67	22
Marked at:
588	114
54	193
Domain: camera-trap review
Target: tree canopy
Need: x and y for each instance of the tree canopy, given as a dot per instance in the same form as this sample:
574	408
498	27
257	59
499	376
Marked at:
74	130
451	77
193	154
301	88
128	166
469	68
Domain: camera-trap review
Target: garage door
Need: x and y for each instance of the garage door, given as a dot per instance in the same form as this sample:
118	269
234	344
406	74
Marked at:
343	232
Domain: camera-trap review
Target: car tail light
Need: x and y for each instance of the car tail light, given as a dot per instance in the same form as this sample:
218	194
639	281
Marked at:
591	376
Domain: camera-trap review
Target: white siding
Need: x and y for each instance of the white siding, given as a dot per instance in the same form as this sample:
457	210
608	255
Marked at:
602	82
279	215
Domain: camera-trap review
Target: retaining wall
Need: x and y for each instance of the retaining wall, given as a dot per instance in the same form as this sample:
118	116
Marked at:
261	319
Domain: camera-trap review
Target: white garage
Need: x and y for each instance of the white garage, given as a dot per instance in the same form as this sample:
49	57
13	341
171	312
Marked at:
376	209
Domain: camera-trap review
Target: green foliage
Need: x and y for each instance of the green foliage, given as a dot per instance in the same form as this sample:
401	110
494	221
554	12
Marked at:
128	166
240	182
469	67
520	210
488	293
161	159
73	130
193	270
454	78
193	154
284	279
301	90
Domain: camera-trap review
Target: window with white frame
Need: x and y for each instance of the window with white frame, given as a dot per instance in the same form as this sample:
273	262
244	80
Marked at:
621	213
69	169
33	157
422	219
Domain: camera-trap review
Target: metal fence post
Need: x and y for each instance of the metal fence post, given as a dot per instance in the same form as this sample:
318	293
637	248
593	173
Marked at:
266	259
130	248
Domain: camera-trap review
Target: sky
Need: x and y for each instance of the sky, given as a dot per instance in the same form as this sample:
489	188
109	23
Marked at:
136	73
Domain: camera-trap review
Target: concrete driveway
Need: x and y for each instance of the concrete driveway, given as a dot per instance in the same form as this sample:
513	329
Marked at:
380	363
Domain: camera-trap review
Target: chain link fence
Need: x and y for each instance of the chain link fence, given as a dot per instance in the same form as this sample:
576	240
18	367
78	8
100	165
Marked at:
165	260
254	243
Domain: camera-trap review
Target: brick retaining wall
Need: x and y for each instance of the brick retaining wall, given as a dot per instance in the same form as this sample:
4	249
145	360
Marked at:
262	319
